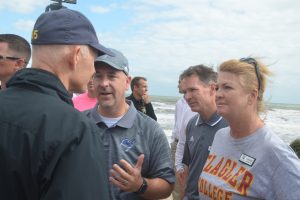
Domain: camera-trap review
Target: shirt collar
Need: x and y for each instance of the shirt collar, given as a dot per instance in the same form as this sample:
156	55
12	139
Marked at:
126	121
212	121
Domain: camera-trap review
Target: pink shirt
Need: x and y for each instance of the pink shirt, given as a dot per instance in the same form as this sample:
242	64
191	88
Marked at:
84	102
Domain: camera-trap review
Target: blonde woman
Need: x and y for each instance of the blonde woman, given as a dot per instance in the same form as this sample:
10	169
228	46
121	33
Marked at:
247	160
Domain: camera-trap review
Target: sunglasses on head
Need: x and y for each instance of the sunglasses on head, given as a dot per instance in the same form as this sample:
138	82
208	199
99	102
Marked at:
253	62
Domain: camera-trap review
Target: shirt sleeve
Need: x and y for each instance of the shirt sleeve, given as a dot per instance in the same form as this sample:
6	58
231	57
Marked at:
186	154
150	111
175	128
286	179
182	139
160	161
180	151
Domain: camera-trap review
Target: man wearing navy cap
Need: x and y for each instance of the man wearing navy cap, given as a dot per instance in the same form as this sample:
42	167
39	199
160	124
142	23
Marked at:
138	153
49	150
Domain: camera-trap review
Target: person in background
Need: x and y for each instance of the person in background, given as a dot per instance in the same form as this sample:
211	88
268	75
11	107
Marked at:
296	146
49	150
247	160
15	53
199	88
137	150
183	114
86	100
140	97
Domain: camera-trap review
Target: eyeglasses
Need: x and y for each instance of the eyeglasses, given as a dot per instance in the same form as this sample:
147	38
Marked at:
12	58
253	62
9	58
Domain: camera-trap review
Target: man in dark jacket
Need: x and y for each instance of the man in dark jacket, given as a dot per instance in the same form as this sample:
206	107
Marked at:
49	150
140	97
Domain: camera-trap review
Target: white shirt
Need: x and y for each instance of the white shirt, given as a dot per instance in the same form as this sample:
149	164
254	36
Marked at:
183	114
110	122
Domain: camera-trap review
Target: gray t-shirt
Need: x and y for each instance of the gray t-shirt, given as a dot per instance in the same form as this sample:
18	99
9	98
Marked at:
135	134
199	137
259	166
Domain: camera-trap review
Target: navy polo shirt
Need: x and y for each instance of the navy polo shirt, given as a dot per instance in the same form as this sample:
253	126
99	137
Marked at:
199	137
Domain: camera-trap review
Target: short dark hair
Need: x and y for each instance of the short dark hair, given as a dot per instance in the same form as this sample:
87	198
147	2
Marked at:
135	81
18	45
204	73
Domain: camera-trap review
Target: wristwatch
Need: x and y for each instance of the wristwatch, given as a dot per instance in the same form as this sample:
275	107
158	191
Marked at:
143	187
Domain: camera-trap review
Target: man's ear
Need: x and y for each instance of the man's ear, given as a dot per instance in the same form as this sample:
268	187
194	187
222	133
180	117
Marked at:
212	87
19	64
74	56
128	80
135	87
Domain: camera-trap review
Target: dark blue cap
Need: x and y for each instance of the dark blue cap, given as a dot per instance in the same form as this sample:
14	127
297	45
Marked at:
66	26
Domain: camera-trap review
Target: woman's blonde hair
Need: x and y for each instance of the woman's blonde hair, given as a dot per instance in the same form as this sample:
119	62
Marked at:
253	75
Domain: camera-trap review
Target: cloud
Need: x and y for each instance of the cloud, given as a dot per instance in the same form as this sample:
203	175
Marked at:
24	25
24	6
99	9
168	36
162	38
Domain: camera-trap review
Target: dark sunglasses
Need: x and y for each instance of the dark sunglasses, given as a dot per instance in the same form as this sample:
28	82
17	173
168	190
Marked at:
253	62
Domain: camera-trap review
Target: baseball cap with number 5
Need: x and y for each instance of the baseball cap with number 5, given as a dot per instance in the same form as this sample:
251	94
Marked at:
66	26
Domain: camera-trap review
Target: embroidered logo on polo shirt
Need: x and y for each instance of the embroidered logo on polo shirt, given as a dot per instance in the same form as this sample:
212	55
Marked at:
127	143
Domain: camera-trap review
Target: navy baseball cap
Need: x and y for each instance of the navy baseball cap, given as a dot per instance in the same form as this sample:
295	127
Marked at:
118	61
66	26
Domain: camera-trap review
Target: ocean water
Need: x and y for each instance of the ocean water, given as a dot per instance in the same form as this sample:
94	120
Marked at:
284	119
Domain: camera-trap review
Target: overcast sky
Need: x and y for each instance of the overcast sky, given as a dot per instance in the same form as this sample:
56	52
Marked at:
161	38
